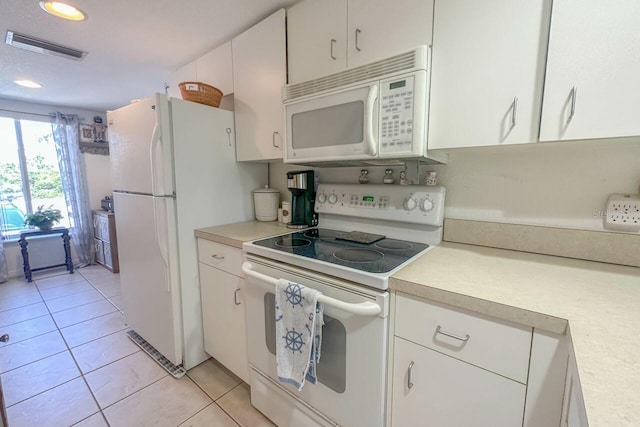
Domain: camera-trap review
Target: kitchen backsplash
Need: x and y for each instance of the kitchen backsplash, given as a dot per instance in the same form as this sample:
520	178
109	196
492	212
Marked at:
558	184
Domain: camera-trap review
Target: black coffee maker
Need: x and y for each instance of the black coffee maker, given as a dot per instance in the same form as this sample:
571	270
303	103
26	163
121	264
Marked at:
303	198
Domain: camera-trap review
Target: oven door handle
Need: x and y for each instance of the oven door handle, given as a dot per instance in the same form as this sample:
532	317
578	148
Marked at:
359	309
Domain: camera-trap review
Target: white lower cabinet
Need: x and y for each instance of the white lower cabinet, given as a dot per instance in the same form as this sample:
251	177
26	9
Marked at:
452	367
223	312
432	389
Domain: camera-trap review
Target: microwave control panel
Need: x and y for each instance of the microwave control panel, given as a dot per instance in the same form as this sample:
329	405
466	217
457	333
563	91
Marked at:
396	114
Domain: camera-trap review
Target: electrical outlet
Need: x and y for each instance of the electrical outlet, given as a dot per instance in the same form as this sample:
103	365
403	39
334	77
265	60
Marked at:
623	212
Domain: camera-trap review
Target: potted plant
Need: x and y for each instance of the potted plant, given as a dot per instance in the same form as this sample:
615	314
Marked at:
43	218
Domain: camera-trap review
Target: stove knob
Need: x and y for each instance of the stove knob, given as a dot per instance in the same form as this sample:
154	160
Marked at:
322	198
409	204
426	205
333	199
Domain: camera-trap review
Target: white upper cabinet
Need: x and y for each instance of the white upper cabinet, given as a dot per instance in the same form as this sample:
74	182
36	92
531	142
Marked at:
487	72
379	28
592	89
317	39
259	72
213	68
328	36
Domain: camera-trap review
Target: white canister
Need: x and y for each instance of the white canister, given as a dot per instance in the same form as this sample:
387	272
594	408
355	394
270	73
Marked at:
265	203
286	212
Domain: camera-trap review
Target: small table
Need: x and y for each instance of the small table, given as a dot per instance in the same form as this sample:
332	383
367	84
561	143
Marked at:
64	232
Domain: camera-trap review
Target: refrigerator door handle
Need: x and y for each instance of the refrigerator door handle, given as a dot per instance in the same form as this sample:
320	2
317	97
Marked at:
156	139
161	241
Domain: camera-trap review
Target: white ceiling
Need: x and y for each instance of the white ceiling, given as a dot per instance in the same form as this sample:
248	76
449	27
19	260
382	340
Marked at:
133	46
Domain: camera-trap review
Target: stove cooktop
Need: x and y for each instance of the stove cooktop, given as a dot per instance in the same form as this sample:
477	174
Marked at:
321	244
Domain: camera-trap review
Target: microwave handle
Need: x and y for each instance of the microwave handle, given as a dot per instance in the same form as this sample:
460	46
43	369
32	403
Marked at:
371	100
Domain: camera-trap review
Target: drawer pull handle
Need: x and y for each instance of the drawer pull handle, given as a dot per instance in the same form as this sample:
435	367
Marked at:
409	370
235	297
457	337
216	256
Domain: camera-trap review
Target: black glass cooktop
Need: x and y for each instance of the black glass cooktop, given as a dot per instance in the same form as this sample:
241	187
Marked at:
322	244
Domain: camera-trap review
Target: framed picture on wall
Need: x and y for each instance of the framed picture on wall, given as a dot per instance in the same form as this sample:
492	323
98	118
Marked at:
86	133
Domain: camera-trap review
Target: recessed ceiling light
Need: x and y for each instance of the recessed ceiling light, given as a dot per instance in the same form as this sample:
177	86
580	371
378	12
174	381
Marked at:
28	83
63	10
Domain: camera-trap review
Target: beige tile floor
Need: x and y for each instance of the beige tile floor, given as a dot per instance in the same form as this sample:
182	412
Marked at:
69	363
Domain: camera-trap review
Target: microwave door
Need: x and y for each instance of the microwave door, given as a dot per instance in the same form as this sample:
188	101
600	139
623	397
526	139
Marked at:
333	126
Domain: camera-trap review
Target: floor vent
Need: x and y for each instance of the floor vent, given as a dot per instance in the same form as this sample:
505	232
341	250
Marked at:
176	371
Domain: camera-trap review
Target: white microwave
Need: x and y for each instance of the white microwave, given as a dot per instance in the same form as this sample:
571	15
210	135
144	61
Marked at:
373	114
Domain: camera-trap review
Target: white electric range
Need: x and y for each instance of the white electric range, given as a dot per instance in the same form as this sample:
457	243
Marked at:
366	233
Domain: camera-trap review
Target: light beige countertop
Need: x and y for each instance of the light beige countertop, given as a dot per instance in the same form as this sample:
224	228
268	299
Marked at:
235	234
600	303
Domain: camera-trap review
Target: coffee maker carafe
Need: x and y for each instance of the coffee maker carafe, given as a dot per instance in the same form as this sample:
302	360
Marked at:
303	197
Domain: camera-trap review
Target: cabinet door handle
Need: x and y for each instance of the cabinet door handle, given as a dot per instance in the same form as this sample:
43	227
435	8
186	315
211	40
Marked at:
409	371
235	297
457	337
572	111
358	39
273	139
228	131
333	42
514	108
218	257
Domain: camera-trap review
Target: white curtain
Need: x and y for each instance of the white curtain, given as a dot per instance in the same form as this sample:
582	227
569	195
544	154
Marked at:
74	185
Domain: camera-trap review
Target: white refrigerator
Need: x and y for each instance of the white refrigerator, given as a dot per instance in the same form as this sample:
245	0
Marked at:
174	169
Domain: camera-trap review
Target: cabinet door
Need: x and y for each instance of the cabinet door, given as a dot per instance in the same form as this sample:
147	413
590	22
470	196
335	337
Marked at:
372	21
317	39
592	89
573	410
108	257
259	72
103	228
488	71
447	392
223	319
99	251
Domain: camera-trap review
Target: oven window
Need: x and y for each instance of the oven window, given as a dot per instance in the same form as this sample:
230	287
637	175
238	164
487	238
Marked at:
332	369
341	124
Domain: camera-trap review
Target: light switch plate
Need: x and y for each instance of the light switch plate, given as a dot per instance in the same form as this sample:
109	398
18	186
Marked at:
623	213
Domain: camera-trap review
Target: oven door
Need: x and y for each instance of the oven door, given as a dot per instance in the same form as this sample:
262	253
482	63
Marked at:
351	385
335	126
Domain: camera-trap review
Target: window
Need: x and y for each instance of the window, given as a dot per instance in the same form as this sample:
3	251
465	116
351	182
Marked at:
29	173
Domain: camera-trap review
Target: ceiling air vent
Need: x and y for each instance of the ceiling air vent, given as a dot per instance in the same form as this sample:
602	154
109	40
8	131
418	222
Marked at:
42	46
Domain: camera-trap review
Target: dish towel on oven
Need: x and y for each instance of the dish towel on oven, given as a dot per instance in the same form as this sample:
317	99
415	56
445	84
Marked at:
299	320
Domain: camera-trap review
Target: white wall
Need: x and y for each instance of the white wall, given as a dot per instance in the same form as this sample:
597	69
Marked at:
48	251
560	184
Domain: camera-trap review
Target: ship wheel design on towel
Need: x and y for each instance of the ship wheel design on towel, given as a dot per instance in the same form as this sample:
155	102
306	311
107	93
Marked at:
294	294
293	340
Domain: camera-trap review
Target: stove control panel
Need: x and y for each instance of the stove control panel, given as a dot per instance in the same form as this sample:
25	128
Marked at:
410	203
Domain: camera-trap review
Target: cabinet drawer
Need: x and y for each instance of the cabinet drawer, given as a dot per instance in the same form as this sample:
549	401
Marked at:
489	343
220	256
